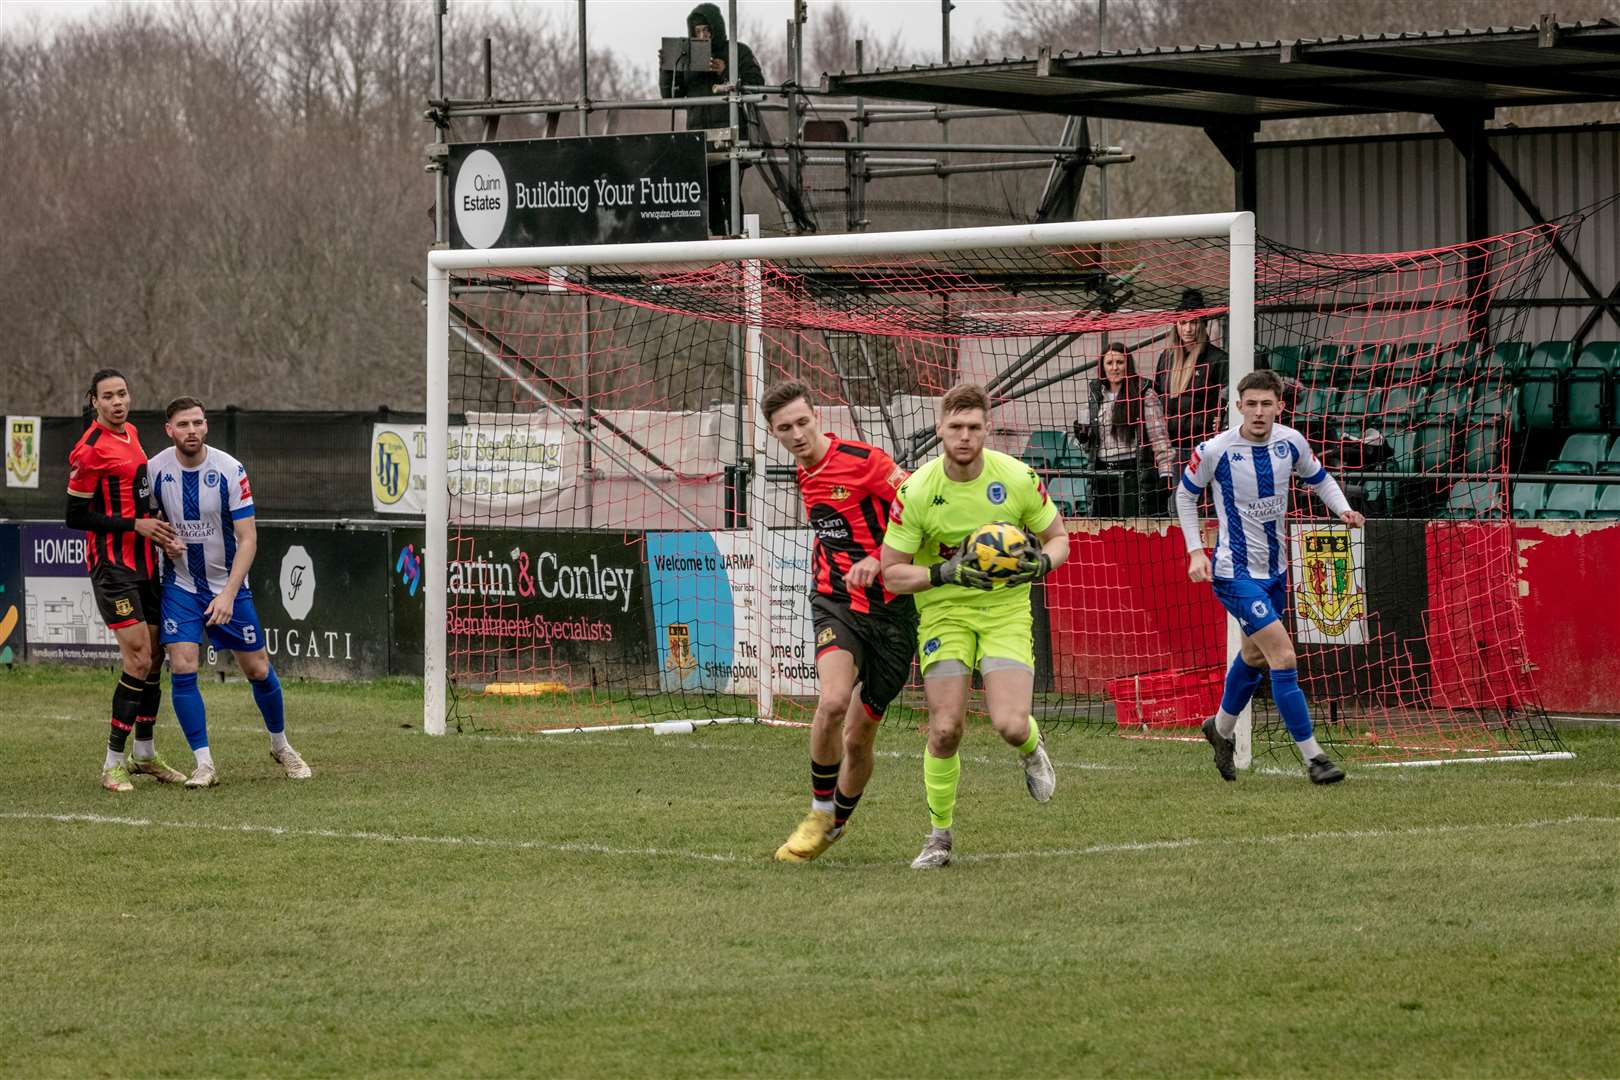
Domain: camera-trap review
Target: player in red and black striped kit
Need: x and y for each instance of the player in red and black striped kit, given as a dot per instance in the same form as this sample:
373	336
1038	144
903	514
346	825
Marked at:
109	497
864	633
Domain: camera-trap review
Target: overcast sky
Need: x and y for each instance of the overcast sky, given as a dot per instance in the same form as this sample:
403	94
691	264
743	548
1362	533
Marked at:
627	26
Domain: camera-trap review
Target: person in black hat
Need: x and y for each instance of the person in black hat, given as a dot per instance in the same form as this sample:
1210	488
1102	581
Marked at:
1191	378
707	24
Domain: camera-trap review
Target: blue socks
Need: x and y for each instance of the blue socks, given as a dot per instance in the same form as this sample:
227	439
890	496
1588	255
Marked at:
1241	680
267	696
188	707
1290	701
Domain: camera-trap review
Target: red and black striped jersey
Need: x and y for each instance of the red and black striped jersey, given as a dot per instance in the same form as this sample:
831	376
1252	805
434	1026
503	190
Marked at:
847	496
109	469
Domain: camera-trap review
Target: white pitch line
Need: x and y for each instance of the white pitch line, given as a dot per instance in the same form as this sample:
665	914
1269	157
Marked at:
1001	856
1287	838
1167	766
374	837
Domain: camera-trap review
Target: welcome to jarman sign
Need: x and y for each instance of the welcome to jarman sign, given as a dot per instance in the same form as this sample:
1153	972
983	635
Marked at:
610	190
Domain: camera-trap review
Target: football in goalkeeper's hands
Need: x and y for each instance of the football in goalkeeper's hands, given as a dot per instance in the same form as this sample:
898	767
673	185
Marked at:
994	548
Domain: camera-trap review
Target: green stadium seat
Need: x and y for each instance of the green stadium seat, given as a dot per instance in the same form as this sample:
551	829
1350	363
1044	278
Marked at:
1610	466
1048	449
1284	359
1473	499
1397	406
1554	356
1542	383
1569	501
1413	361
1322	366
1360	410
1482	448
1608	504
1504	361
1581	455
1319	401
1432	449
1493	403
1369	364
1402	447
1445	402
1590	385
1528	499
1069	493
1454	364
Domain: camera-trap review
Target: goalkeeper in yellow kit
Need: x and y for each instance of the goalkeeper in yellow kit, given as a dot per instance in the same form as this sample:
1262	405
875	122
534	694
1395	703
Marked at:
965	623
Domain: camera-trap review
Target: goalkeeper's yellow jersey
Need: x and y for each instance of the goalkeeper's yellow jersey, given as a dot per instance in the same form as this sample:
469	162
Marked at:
933	515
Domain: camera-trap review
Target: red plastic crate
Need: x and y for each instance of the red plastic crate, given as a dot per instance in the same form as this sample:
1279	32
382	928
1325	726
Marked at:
1165	699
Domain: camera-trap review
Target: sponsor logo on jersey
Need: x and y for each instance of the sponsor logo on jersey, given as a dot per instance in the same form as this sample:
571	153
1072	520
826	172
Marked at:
897	476
939	500
1270	508
996	493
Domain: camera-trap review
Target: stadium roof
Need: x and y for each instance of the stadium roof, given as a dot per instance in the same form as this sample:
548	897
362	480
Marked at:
1470	71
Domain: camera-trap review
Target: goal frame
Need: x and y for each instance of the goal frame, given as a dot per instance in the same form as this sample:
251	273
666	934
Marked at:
1237	228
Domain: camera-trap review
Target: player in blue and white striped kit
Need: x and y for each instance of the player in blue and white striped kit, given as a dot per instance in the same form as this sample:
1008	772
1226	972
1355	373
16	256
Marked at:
204	494
1247	470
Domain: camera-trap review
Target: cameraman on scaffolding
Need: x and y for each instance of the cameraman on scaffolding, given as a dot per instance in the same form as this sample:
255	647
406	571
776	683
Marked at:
705	23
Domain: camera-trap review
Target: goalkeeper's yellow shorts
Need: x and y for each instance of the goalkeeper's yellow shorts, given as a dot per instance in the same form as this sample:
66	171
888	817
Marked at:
971	636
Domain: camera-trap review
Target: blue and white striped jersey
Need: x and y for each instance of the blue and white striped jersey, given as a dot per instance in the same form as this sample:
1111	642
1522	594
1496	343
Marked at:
1248	484
203	503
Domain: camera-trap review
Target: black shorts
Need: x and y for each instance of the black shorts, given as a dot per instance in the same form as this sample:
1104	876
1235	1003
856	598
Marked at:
882	644
125	598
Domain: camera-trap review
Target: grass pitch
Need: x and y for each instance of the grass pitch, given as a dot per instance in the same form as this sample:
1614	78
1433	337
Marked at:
586	905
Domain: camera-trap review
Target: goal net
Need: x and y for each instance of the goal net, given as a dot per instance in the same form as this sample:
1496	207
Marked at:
621	542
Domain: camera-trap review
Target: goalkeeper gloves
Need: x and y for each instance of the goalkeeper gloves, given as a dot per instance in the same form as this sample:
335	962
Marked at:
955	571
1033	564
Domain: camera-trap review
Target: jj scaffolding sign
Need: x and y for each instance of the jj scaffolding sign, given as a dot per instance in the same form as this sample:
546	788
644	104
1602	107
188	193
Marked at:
610	190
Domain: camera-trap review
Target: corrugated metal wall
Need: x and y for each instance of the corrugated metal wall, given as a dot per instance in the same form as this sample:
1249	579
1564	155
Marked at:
1405	192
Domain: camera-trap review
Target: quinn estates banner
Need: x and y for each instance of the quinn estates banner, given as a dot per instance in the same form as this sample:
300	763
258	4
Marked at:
614	189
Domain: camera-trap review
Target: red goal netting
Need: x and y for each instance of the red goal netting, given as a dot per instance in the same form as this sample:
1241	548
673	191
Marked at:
615	531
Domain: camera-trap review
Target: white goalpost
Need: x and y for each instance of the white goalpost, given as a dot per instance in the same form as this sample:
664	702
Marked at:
751	320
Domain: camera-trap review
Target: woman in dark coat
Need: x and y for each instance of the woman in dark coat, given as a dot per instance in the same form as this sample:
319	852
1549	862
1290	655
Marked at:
1191	380
1125	440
